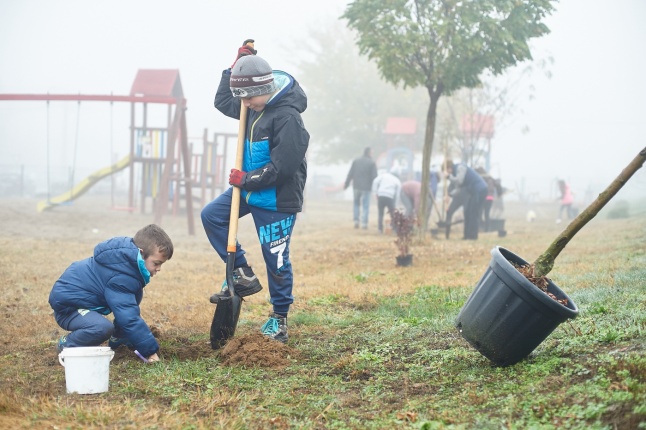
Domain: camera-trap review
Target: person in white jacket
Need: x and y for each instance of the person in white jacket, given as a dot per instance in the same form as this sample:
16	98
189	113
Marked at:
386	187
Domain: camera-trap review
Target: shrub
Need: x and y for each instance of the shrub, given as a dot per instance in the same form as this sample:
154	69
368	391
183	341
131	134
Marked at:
404	227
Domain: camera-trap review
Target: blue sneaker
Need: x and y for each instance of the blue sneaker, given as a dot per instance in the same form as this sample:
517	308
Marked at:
60	345
116	342
275	328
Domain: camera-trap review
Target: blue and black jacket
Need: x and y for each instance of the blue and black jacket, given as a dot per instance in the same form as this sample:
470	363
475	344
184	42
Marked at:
275	145
110	281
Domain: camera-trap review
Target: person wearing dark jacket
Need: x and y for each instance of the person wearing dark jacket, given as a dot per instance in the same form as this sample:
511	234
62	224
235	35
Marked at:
111	281
361	174
469	182
271	181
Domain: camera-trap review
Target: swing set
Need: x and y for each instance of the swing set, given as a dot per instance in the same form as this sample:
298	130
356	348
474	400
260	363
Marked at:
162	167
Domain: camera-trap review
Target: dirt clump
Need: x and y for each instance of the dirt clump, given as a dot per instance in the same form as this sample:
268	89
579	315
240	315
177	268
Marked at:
256	350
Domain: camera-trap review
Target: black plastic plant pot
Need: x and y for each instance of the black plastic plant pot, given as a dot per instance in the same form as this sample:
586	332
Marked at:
507	317
404	260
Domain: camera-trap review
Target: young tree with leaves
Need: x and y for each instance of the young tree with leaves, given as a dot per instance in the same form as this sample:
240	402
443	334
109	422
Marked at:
444	45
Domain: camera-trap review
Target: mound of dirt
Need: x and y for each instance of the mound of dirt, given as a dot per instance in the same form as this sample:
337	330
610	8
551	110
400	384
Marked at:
256	350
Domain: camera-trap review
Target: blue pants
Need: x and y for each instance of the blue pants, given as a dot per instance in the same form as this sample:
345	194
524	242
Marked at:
88	328
274	230
361	202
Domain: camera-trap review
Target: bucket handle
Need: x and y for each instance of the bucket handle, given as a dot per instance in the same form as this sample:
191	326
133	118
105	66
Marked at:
61	359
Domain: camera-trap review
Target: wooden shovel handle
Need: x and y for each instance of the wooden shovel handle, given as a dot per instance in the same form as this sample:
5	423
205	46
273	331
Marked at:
235	196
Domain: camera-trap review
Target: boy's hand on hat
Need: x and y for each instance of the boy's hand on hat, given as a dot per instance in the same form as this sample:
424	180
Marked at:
246	49
249	45
237	178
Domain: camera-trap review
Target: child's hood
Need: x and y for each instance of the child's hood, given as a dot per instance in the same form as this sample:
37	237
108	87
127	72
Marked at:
289	92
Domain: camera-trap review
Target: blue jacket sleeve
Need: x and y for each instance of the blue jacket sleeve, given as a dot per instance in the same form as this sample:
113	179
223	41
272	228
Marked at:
123	297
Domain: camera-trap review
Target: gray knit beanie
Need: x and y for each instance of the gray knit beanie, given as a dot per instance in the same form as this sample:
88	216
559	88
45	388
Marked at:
251	76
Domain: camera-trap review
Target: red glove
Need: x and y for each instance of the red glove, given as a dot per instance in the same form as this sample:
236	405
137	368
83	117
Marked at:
246	49
237	178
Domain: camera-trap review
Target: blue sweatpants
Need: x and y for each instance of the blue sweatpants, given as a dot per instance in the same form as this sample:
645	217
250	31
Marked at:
274	230
88	328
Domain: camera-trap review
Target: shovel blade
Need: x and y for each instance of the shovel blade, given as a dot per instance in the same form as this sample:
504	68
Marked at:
225	320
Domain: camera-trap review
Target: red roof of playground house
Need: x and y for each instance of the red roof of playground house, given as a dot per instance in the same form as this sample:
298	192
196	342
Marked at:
478	125
396	125
164	83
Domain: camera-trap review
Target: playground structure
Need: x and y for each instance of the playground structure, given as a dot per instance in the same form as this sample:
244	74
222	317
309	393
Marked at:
400	136
161	162
84	185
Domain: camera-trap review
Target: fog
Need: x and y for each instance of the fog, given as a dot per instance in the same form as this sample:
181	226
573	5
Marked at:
584	123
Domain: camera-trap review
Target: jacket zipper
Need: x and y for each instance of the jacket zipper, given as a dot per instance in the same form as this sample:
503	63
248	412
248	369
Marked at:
251	143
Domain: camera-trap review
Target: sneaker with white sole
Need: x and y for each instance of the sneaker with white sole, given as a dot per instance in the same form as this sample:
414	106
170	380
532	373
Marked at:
60	345
276	328
245	283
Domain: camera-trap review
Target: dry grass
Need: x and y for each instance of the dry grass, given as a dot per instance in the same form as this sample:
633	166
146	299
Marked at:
327	254
329	258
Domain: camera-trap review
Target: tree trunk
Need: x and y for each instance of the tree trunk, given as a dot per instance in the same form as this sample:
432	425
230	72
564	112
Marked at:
429	134
544	263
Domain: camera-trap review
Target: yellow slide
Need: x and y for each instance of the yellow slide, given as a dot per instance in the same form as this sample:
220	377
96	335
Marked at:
84	185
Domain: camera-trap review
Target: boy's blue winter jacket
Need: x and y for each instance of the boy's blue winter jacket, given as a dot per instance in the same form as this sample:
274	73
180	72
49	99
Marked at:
275	145
108	282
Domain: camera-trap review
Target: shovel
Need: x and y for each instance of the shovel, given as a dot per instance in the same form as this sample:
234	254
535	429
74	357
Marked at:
227	310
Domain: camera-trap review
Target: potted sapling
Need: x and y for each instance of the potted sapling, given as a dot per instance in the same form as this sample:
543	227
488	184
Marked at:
515	306
404	227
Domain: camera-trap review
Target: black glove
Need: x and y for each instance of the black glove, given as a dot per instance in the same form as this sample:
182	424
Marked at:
246	49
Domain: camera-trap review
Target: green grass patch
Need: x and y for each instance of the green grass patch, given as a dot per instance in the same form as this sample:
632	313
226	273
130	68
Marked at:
399	364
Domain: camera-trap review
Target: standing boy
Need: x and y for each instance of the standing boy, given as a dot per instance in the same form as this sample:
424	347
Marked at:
271	181
111	281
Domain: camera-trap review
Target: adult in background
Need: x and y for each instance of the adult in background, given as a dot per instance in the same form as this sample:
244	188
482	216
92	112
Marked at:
363	172
411	198
386	187
456	198
411	192
474	187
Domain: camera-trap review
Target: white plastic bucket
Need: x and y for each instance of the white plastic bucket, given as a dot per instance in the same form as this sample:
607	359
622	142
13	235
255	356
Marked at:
87	368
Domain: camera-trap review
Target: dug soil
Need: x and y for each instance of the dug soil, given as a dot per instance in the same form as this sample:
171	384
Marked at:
541	282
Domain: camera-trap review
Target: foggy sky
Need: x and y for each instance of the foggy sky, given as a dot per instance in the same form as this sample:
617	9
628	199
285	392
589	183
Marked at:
584	123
